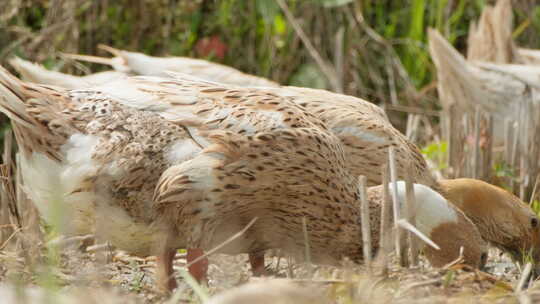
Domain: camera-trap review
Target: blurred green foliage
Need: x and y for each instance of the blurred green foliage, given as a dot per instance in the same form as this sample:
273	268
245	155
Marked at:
437	152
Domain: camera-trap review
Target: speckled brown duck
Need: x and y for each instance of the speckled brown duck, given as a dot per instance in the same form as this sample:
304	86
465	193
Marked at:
153	185
362	127
366	133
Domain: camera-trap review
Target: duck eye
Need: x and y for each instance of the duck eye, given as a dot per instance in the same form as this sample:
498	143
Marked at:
534	222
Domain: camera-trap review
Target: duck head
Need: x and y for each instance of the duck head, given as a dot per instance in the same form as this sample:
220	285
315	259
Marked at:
502	218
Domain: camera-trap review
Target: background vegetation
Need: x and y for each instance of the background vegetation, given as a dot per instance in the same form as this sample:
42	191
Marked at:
376	49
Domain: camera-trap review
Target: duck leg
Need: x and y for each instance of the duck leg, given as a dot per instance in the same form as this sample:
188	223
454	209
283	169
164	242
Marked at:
198	269
164	271
256	260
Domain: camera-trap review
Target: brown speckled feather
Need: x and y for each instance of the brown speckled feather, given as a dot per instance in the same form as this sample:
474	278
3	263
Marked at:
365	132
129	148
362	127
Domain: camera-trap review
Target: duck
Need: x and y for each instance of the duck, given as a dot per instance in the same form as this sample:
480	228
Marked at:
504	220
362	126
365	133
438	219
136	63
150	184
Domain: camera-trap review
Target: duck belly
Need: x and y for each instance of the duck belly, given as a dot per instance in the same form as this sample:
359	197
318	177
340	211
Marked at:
58	192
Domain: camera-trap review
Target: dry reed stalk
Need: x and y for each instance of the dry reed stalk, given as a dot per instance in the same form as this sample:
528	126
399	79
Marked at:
459	260
63	241
522	177
533	194
339	56
488	160
413	124
524	298
395	203
412	110
411	217
405	235
403	223
446	130
366	223
307	247
515	153
30	219
9	215
454	137
508	140
476	147
224	243
385	228
525	274
464	161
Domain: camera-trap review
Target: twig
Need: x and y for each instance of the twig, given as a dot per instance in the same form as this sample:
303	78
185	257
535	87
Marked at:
224	243
395	201
515	152
524	298
405	234
476	147
366	223
411	216
392	85
385	220
9	238
524	277
534	189
460	259
406	225
356	15
419	284
306	241
98	247
62	241
412	110
327	69
338	55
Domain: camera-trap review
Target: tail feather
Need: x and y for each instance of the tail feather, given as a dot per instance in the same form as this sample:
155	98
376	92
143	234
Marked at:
110	49
118	62
12	99
38	74
90	58
31	109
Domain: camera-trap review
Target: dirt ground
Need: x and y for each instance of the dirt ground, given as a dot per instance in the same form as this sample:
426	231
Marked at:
107	276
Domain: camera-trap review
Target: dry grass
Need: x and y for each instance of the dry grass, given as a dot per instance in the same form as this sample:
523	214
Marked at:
128	279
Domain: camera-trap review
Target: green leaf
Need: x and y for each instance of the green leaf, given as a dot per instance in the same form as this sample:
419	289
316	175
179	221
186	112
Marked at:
280	26
416	31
